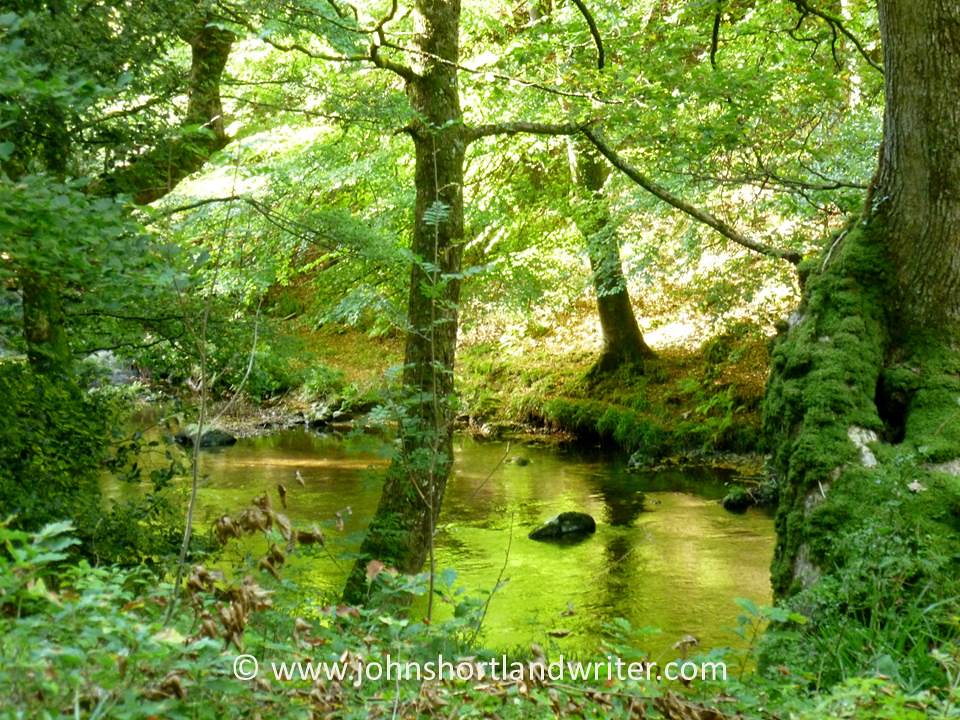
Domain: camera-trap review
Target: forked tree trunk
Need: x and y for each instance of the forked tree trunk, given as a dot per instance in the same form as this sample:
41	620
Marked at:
862	401
401	531
623	343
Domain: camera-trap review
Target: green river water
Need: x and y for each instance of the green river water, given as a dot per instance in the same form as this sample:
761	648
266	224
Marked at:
675	561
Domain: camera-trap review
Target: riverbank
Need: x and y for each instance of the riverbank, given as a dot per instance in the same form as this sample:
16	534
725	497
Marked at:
697	406
689	406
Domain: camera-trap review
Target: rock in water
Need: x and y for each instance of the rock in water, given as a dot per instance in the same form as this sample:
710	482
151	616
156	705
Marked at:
214	437
737	500
566	525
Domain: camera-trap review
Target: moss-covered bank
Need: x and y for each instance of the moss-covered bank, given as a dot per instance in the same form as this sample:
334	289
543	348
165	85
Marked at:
682	406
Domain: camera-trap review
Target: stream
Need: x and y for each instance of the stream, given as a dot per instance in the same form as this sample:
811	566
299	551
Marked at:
665	554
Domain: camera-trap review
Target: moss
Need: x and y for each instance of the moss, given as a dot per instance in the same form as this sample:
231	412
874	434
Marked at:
692	404
824	378
883	538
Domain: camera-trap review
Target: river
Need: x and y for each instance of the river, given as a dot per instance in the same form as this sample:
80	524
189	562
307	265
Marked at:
665	554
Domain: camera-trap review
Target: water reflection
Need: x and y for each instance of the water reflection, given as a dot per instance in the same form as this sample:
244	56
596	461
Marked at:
665	553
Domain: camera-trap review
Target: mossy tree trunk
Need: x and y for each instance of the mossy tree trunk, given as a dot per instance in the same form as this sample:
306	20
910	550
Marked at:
401	531
157	172
623	343
148	178
863	403
43	324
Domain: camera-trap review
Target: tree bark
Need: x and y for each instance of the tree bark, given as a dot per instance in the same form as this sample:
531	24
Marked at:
870	370
401	531
158	171
623	343
917	194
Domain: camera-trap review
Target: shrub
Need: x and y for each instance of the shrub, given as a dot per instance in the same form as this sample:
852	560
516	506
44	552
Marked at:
53	439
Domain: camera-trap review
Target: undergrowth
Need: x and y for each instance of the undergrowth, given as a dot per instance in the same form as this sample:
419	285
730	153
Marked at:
83	641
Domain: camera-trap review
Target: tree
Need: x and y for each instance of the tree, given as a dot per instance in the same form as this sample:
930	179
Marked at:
861	405
623	343
72	144
401	531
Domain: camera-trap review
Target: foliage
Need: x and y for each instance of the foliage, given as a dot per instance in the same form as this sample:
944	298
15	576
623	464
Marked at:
81	639
53	441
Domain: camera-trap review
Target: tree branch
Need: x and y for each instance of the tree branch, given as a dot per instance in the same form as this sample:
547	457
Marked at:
715	36
703	216
515	128
156	172
396	68
836	25
500	76
594	30
379	39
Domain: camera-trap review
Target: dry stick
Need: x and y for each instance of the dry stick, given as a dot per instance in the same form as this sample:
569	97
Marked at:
503	569
195	462
195	474
490	474
703	216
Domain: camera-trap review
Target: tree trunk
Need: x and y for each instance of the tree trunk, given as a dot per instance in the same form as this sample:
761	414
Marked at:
401	531
157	172
861	405
623	342
917	195
43	325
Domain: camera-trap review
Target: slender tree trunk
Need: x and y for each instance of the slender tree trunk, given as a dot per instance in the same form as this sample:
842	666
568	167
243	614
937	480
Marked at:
623	343
401	531
864	387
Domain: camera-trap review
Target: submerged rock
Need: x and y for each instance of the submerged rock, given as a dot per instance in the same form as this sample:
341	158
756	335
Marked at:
214	437
738	500
566	525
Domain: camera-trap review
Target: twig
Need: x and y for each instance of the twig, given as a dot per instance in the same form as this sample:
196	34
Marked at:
490	474
493	591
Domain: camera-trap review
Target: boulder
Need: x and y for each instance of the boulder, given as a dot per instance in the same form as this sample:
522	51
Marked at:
566	525
213	437
738	500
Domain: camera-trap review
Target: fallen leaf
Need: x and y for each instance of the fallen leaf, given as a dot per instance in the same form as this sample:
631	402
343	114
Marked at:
374	568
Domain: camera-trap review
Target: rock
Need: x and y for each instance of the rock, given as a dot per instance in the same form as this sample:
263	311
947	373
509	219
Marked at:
861	437
737	500
319	414
214	437
565	525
